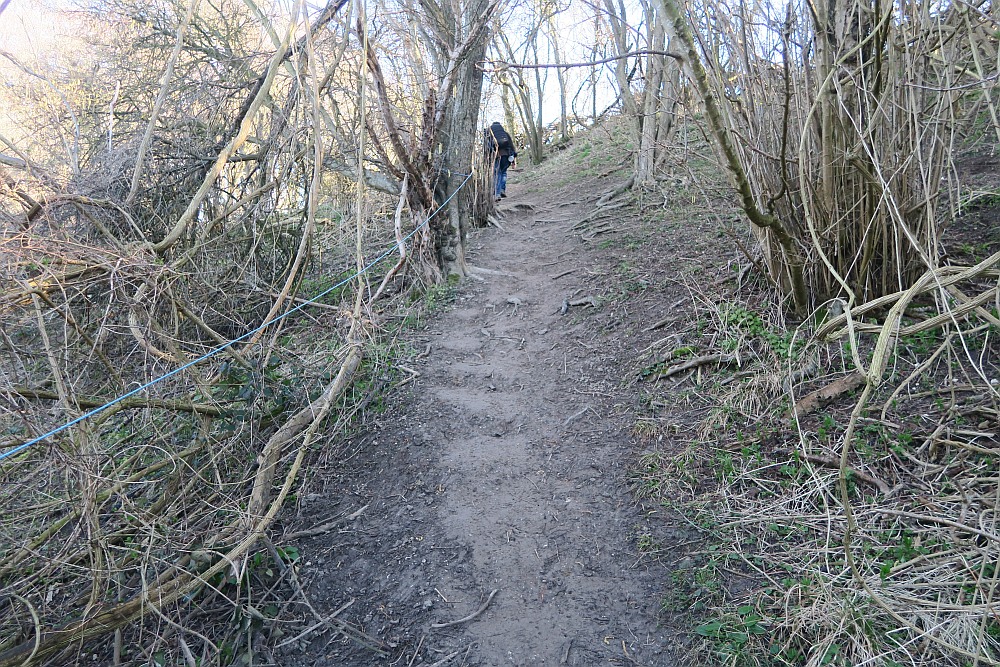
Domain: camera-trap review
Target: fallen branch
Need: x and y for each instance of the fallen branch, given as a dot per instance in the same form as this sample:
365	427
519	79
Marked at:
811	402
442	661
127	404
585	301
696	363
316	626
167	588
313	413
471	616
576	416
490	272
834	464
326	527
565	656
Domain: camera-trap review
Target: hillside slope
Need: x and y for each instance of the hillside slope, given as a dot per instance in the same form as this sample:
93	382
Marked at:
501	485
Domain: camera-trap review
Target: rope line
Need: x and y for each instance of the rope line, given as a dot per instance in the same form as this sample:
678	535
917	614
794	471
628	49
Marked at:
215	351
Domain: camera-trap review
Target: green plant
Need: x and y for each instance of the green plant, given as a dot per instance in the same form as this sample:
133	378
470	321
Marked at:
922	342
906	547
826	427
751	325
725	467
646	543
903	442
733	632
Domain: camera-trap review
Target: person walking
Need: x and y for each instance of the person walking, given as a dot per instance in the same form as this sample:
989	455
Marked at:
500	147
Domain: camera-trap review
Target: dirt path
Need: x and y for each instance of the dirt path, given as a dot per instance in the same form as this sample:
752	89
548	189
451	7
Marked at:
503	468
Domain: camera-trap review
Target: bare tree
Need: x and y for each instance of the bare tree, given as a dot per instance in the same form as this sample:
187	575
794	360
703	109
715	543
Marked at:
220	155
849	133
648	84
433	152
524	88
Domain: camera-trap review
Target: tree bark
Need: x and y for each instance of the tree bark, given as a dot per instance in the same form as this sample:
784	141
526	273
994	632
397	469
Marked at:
720	131
461	139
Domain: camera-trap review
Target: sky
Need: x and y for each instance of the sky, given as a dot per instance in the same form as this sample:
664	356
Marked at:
575	27
27	27
29	31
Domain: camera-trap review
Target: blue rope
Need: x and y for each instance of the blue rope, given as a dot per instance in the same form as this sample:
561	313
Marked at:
212	353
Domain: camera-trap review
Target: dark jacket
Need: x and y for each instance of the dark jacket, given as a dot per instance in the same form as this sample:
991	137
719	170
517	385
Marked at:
499	145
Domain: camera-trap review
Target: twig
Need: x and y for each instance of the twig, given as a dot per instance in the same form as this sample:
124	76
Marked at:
126	404
490	272
446	658
564	273
413	373
186	652
695	363
661	323
585	301
575	416
416	652
326	527
565	655
598	212
500	65
312	304
482	608
315	626
835	464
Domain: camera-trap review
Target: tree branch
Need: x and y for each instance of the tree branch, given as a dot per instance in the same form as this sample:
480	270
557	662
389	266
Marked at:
127	404
500	65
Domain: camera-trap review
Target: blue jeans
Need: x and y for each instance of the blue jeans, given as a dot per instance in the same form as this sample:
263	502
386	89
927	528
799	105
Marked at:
501	177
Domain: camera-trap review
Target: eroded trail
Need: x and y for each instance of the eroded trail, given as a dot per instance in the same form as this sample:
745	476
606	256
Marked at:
504	471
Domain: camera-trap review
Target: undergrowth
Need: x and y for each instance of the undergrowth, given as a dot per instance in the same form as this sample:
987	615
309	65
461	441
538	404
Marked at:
786	575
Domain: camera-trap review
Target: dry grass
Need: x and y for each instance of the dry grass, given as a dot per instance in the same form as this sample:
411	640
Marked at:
866	528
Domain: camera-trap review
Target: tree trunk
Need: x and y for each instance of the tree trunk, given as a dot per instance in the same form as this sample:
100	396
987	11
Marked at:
537	151
792	254
561	77
645	162
515	83
461	138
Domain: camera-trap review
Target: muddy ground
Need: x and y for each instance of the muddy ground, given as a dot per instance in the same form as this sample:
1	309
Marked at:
495	520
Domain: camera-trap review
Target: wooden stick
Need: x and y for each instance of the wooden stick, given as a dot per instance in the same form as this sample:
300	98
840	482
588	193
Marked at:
326	527
575	416
127	404
312	628
695	363
446	658
835	464
468	618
